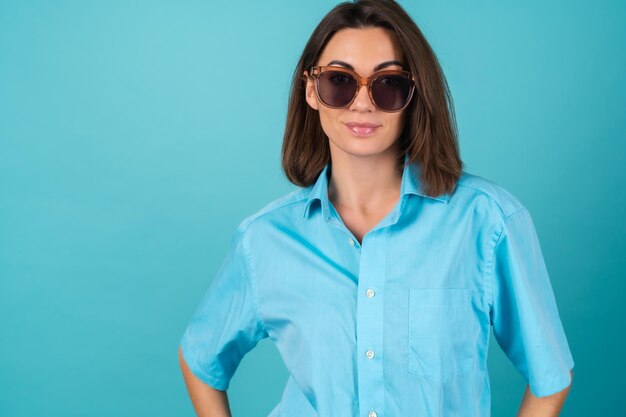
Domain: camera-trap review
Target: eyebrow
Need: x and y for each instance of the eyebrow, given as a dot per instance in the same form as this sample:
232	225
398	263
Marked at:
376	68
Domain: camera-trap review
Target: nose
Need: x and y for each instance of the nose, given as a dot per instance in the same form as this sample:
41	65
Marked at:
362	101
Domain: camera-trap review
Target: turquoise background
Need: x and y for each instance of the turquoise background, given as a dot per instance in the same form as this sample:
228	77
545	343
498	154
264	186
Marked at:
136	135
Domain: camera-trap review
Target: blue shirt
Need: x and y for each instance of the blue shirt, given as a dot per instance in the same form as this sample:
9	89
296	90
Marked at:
397	326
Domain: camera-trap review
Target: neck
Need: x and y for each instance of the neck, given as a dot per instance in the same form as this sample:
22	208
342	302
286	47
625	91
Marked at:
364	185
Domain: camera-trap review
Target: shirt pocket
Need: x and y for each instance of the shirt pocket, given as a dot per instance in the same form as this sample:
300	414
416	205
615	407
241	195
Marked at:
440	340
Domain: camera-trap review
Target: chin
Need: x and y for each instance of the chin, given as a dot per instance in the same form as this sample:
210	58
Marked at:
361	148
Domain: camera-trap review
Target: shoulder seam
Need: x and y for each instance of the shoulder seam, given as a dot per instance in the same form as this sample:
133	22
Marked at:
492	198
262	212
492	266
500	227
250	262
519	209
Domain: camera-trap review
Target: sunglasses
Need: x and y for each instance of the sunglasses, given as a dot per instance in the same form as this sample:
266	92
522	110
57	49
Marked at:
389	90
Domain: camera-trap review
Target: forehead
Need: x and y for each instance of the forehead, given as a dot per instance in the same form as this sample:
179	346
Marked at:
364	48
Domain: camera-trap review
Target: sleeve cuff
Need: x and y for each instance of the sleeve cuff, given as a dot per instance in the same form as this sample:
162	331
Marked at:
210	380
550	386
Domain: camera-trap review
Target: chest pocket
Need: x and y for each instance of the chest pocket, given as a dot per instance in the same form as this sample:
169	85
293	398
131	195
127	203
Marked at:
441	341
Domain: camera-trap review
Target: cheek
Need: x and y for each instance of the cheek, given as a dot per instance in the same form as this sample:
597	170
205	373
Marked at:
395	123
329	120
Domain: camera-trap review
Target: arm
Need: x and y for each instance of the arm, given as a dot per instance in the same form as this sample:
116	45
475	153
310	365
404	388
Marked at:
207	401
525	317
549	406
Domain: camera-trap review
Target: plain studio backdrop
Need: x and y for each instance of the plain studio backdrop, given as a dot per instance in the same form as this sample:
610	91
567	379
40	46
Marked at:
136	135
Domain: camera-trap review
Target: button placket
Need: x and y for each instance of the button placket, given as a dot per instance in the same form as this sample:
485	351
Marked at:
372	266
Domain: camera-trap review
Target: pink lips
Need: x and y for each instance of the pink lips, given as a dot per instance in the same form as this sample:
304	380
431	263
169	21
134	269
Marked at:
362	129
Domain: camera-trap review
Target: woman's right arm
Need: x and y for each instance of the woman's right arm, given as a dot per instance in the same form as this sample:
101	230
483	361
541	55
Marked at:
206	400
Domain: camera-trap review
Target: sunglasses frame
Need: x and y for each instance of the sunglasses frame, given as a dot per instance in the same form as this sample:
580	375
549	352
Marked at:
362	81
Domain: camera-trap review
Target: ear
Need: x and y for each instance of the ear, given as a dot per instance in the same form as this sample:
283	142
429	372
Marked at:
309	92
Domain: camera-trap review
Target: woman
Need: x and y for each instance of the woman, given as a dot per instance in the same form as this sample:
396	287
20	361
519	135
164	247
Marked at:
379	279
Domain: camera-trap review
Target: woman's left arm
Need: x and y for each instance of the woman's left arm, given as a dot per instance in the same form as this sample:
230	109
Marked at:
549	406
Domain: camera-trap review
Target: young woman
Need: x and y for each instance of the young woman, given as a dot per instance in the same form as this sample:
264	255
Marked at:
380	278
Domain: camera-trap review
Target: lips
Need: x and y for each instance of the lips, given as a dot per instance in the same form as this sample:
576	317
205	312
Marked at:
362	129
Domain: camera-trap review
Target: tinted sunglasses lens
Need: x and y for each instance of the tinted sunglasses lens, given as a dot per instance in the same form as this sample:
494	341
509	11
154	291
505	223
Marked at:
336	88
391	92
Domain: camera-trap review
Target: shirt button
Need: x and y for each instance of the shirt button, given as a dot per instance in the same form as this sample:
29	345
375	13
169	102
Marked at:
351	241
369	354
370	293
372	414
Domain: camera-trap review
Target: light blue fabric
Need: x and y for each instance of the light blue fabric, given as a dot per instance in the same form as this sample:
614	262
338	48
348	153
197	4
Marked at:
420	295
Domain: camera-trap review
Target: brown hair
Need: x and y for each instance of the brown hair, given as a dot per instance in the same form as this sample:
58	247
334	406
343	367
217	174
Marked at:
429	135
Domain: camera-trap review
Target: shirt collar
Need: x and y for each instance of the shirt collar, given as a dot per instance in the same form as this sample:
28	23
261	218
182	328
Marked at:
411	184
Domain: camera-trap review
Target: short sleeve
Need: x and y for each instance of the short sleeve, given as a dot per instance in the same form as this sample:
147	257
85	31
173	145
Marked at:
524	313
225	326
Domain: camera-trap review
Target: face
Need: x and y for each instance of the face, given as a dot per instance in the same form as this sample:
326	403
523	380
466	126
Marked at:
364	50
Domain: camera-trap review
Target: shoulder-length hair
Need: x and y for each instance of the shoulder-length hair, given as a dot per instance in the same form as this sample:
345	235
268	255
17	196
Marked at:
429	135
